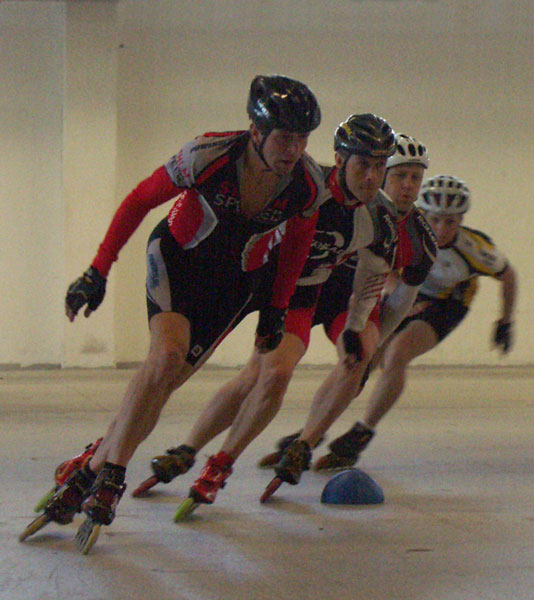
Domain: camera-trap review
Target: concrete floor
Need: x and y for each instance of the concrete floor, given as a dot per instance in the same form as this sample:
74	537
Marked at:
454	460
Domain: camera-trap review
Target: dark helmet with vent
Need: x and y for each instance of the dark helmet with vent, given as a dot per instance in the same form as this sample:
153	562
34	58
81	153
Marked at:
278	102
365	134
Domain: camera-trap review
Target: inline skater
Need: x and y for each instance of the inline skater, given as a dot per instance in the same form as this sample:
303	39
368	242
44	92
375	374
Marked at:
404	176
232	189
443	302
355	216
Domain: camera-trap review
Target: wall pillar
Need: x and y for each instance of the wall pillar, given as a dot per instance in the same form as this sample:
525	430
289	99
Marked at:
89	166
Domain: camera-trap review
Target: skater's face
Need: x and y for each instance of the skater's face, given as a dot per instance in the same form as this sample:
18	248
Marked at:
445	227
282	149
364	175
402	185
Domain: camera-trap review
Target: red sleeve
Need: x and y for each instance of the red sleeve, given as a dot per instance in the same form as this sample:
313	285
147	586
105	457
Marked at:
153	191
294	251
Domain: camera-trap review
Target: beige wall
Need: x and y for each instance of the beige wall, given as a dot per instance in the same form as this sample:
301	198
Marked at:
31	203
456	74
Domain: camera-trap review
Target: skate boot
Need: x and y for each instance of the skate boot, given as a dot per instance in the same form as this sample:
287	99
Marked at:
272	459
100	505
345	449
295	460
212	478
64	503
76	462
175	461
64	470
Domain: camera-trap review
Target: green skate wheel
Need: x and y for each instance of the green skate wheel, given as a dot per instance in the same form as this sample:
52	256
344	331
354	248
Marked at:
44	500
34	526
186	508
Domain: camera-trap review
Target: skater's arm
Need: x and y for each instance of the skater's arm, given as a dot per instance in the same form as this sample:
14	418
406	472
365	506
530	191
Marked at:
395	308
150	193
90	288
509	293
503	334
294	251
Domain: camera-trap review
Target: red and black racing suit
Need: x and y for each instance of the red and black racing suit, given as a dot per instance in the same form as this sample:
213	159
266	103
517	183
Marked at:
206	259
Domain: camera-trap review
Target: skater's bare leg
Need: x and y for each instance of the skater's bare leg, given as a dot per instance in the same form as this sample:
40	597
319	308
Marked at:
338	390
222	409
255	412
265	399
417	338
162	372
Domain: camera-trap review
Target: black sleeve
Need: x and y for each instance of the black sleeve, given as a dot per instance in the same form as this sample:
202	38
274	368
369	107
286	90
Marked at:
425	251
386	238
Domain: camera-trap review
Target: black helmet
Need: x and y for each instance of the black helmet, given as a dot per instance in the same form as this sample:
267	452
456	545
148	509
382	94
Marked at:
365	134
278	102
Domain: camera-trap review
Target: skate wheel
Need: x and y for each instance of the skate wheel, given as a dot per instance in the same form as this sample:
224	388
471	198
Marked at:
44	500
87	535
185	509
271	489
332	462
145	486
270	460
34	526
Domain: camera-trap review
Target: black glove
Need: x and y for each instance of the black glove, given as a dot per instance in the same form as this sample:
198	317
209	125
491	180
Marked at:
88	289
270	330
503	335
353	344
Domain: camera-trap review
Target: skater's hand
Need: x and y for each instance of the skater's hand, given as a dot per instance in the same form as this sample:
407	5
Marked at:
353	347
88	289
270	330
503	336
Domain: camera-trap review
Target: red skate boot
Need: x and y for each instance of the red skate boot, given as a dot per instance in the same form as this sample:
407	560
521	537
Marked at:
212	478
65	469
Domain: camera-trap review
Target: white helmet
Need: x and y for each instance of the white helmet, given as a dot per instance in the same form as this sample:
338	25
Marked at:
444	195
408	150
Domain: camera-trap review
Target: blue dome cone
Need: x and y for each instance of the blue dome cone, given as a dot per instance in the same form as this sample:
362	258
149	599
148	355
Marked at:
352	487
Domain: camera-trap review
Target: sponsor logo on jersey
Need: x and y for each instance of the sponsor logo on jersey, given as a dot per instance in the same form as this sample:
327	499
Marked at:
424	224
390	236
197	350
326	244
219	141
230	202
181	166
269	215
153	274
488	258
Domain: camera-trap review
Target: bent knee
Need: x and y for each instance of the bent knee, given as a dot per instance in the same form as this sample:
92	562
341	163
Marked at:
248	376
357	375
276	378
397	358
166	364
